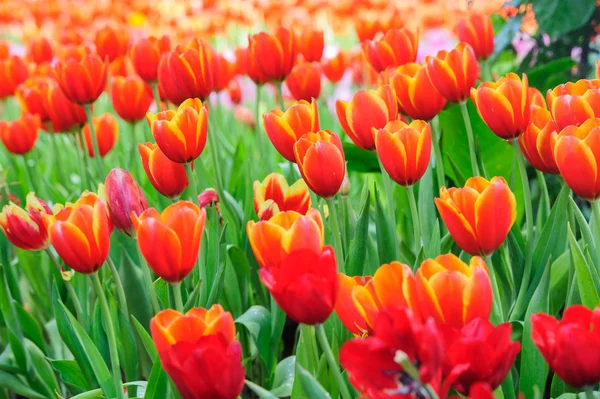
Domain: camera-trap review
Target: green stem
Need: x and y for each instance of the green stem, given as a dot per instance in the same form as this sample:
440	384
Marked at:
215	159
176	291
437	152
310	345
526	191
544	191
192	189
146	275
110	334
132	150
333	364
56	147
337	237
465	114
415	219
96	149
30	181
70	290
388	186
596	219
119	286
497	316
280	93
81	158
156	95
257	133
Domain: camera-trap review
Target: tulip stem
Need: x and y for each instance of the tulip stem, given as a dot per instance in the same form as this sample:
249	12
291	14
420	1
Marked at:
388	186
257	132
56	148
439	160
596	226
589	392
133	139
280	95
333	364
465	114
82	159
70	290
526	192
415	219
119	286
156	95
146	273
497	316
176	291
95	147
191	183
110	334
30	181
337	237
307	335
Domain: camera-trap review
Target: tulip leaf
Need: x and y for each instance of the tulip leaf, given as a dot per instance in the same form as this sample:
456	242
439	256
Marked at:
357	253
257	320
556	17
586	232
15	385
548	75
587	277
385	248
310	385
559	280
242	269
133	282
31	328
71	375
426	206
158	381
146	339
360	160
260	391
42	367
127	347
283	381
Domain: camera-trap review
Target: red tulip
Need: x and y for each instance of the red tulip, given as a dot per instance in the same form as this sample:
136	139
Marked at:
146	54
83	80
13	72
131	97
25	228
304	81
167	177
107	133
272	55
476	29
309	44
454	73
111	43
19	136
123	196
397	47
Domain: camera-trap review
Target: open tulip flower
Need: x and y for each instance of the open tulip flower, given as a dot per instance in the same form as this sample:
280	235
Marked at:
476	29
574	103
454	73
539	140
417	96
274	195
397	47
25	228
82	80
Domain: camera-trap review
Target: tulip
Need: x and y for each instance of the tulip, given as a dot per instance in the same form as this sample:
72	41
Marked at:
123	196
274	195
30	95
574	103
346	309
577	156
417	96
454	73
146	54
235	91
320	158
536	98
80	233
539	140
309	44
272	240
64	114
480	215
13	72
452	292
223	73
170	241
167	177
478	353
24	228
285	128
19	136
569	346
304	284
131	97
404	150
476	29
334	68
304	81
199	352
107	133
111	43
273	55
504	105
363	74
181	134
371	363
83	80
4	49
367	109
39	50
397	47
208	197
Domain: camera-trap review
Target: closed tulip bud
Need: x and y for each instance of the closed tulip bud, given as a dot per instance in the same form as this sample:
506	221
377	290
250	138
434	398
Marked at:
111	43
574	103
454	73
83	248
304	285
320	158
181	134
404	150
274	195
476	29
107	133
167	177
285	128
273	55
146	54
123	196
208	197
199	352
83	80
170	241
480	215
39	50
304	81
577	155
19	136
30	95
452	292
310	44
25	228
131	97
223	73
397	47
417	96
235	91
64	114
271	240
539	140
13	72
334	68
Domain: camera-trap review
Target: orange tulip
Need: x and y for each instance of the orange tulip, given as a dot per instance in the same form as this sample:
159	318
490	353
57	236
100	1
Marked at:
111	43
274	195
83	80
334	68
539	139
360	299
367	109
536	98
273	55
80	233
235	91
454	72
404	150
170	241
199	352
107	133
452	292
272	240
476	29
122	66
181	134
131	97
417	96
397	47
146	54
19	136
304	82
24	228
320	158
39	50
4	49
30	95
480	215
13	72
64	114
310	44
167	177
504	105
577	155
223	74
285	128
574	103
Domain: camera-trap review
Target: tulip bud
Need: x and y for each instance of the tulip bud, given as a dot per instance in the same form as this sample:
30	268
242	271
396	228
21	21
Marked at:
24	228
208	197
345	188
123	196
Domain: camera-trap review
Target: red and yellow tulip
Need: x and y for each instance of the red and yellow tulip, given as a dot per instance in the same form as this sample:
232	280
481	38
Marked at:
274	195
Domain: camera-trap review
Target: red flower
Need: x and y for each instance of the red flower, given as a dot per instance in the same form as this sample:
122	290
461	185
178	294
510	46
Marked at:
123	196
111	43
145	56
304	82
19	136
13	72
25	228
273	55
397	47
82	80
131	97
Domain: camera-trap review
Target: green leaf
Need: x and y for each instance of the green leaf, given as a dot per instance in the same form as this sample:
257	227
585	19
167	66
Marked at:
435	244
587	278
257	320
260	391
127	348
15	385
135	387
548	75
360	160
284	377
42	367
384	229
310	385
357	254
559	280
158	381
242	269
71	375
133	282
146	339
426	206
162	291
557	17
31	328
586	232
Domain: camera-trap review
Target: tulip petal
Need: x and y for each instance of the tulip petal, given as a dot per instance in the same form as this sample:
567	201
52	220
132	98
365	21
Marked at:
495	213
577	165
